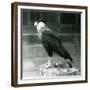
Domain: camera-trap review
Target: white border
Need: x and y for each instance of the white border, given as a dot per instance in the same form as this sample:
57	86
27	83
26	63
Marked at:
66	78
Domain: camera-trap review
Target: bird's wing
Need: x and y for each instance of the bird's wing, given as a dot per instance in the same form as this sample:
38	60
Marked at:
48	49
54	42
51	37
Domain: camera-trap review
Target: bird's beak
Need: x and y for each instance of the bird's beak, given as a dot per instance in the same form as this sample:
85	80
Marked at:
35	23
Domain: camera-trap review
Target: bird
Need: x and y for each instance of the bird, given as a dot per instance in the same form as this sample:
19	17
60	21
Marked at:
51	42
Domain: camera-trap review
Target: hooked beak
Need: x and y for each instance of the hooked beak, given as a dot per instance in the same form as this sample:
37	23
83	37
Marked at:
35	23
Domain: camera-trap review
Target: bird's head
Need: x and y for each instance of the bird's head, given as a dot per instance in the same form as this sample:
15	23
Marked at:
40	25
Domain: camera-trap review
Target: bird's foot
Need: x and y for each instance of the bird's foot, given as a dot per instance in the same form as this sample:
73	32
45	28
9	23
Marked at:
49	66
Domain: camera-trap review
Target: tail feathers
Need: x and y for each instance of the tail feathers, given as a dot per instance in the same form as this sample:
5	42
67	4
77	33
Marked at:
71	59
69	63
68	58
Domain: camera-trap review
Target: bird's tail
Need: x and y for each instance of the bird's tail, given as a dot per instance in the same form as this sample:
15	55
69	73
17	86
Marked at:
69	63
71	59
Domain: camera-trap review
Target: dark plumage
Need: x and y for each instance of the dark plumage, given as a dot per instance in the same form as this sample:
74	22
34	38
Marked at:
52	43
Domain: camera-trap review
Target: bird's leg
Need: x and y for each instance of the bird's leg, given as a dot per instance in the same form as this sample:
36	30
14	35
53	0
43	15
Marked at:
49	62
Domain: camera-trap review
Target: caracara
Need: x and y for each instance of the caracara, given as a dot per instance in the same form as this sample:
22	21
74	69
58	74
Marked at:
51	42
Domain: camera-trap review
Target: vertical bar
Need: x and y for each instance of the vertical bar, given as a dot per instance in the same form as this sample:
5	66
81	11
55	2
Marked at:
59	22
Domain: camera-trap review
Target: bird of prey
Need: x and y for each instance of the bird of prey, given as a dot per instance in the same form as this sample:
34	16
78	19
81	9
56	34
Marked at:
51	42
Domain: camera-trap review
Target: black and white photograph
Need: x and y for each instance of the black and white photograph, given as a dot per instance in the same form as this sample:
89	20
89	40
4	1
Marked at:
51	42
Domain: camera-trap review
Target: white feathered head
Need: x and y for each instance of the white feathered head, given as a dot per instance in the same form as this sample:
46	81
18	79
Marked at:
40	25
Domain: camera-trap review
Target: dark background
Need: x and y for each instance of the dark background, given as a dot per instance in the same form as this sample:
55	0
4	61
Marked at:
65	24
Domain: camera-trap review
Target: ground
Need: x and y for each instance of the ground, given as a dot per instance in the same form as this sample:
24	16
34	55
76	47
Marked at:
35	57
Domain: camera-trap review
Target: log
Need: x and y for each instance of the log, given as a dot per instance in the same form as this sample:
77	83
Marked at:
57	71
